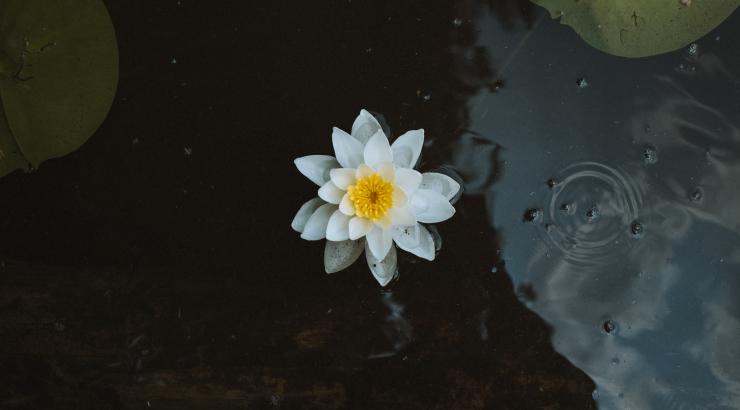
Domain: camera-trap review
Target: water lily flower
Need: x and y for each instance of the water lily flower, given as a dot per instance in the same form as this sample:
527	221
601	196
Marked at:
370	197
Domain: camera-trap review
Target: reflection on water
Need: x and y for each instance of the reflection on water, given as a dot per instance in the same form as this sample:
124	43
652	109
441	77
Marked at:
630	187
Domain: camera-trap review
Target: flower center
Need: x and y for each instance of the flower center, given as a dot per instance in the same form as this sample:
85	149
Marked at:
372	196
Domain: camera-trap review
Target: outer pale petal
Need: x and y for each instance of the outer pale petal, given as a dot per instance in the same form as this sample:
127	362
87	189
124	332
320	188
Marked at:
338	227
342	177
304	213
377	150
347	149
339	255
359	227
379	241
441	183
407	148
365	126
430	206
330	193
384	270
415	239
408	180
347	206
316	167
315	228
403	216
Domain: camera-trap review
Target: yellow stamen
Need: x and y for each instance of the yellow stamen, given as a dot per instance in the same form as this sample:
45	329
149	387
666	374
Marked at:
372	196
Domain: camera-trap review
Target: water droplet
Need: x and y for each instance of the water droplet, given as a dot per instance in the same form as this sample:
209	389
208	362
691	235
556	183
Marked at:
551	183
173	61
694	49
494	269
457	22
532	215
650	154
593	213
637	229
427	97
609	326
615	361
581	82
568	208
595	394
697	195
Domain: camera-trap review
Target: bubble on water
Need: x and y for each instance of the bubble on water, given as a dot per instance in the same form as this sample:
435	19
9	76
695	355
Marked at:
696	195
532	215
581	82
609	326
637	229
694	50
650	154
593	213
568	208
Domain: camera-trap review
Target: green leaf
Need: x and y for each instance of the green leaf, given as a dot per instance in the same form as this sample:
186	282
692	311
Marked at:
58	73
11	157
639	28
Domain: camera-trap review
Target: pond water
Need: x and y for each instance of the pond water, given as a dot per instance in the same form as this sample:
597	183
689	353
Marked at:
593	262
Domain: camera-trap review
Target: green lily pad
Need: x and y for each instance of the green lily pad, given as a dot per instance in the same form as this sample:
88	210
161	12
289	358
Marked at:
639	28
58	74
11	157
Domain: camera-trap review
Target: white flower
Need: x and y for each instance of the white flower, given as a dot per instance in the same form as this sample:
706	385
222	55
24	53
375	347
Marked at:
370	197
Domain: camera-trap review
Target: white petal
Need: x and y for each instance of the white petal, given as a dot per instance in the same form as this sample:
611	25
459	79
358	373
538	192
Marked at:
365	126
408	180
339	255
305	212
330	193
347	149
363	171
387	171
342	177
378	150
415	239
441	183
403	216
316	167
399	198
359	227
338	227
347	206
385	222
315	228
382	269
379	241
430	206
407	148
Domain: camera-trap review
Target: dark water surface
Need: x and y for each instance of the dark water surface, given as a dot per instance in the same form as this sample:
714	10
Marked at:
156	268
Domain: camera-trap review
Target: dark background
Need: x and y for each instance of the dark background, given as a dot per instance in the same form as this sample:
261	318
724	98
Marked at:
136	275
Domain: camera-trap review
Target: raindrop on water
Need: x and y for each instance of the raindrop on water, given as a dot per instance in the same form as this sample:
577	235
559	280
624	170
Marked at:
457	22
650	154
551	183
581	82
593	213
610	327
637	229
697	195
694	49
568	208
532	215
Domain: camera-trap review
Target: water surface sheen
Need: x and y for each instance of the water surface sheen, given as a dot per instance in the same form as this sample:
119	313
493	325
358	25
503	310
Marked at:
634	256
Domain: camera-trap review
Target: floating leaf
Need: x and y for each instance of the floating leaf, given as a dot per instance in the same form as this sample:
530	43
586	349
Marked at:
639	28
58	73
10	155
